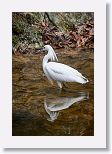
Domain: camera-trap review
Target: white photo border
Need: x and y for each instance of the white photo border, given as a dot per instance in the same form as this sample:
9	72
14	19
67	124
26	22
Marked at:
99	138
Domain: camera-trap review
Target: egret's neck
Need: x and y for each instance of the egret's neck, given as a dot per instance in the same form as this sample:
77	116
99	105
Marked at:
51	55
45	59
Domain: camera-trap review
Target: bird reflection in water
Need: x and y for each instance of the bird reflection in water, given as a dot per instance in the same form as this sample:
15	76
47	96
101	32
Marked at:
53	106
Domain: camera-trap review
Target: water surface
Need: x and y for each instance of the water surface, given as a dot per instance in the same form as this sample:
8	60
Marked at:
40	109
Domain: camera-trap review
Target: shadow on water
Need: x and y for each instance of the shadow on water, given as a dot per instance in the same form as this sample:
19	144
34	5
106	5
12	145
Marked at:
40	109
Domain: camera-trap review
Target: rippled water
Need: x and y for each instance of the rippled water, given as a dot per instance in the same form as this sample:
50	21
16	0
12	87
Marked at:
40	109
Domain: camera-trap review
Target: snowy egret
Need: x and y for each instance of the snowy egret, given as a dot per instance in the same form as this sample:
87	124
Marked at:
59	72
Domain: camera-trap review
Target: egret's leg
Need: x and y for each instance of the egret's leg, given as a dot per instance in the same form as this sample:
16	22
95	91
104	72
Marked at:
59	84
64	85
51	81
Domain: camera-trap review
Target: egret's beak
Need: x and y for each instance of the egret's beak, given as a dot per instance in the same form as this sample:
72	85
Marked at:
41	49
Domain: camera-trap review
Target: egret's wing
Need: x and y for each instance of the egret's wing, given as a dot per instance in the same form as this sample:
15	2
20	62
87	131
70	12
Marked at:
62	72
62	68
53	74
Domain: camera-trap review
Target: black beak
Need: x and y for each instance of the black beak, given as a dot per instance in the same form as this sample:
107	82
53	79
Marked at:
40	48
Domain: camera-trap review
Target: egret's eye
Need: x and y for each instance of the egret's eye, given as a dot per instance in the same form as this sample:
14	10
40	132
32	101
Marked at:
44	49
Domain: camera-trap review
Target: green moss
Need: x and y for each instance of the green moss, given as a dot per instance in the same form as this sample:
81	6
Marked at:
30	18
15	40
27	26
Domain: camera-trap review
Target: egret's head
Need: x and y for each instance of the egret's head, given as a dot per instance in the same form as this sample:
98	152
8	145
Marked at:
51	53
47	47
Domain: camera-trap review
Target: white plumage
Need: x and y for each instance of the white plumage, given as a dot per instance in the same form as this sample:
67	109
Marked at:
60	72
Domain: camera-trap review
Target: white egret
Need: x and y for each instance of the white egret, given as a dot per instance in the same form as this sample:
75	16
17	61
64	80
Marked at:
59	72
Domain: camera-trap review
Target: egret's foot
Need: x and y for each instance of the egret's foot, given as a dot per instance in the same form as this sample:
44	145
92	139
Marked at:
64	85
59	91
64	89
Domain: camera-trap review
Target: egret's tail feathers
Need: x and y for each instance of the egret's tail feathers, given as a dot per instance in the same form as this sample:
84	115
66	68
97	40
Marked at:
85	80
